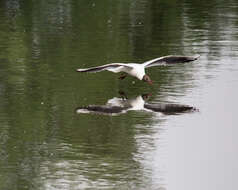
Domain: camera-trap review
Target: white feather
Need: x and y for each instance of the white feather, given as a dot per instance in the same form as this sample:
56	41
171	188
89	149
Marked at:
138	70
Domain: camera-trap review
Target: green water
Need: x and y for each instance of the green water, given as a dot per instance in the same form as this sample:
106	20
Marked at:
46	144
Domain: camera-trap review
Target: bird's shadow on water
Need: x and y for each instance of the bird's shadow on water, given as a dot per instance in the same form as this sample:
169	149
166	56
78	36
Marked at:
122	104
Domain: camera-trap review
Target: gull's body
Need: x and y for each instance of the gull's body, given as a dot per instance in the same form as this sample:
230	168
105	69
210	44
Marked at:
131	104
138	70
133	69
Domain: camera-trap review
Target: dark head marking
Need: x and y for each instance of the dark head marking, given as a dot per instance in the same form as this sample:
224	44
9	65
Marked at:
146	96
146	78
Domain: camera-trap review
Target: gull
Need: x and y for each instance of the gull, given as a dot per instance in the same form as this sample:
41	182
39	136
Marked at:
138	70
116	106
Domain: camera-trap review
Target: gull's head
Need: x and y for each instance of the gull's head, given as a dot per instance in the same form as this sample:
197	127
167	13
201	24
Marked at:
146	78
146	96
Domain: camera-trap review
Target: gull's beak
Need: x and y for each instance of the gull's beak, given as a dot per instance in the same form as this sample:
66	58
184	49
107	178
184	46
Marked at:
150	82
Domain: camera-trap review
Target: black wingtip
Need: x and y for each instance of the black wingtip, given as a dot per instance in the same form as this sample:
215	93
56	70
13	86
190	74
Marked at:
190	58
196	57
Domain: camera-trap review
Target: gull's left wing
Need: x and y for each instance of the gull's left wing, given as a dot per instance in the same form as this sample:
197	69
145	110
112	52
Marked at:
170	108
113	67
170	59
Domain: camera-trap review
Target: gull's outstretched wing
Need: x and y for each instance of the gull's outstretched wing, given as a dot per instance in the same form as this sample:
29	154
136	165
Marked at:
170	59
170	108
104	109
113	67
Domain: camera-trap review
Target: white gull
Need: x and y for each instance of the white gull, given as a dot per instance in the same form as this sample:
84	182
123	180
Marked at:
138	70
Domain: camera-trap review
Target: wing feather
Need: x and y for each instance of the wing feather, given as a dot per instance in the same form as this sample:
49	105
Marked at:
108	67
170	59
170	108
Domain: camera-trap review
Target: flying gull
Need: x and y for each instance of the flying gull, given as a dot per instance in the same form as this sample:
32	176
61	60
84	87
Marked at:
138	70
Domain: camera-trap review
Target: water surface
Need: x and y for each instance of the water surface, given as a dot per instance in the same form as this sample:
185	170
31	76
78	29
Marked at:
46	144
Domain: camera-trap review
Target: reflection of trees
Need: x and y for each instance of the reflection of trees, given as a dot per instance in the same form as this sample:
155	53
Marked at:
42	42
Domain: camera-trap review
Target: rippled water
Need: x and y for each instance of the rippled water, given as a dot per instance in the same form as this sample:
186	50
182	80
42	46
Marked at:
47	143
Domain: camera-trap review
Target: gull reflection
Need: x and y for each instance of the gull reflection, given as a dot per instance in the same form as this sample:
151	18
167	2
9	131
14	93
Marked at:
120	105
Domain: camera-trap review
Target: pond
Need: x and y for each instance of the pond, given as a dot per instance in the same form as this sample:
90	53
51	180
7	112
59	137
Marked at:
58	129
